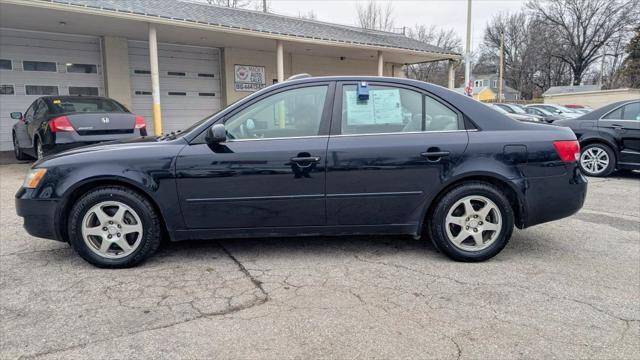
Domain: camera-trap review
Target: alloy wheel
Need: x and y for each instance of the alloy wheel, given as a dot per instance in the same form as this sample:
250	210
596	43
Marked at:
112	229
16	150
473	223
594	160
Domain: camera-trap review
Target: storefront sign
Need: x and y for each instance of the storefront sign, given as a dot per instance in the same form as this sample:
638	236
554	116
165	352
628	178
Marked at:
249	78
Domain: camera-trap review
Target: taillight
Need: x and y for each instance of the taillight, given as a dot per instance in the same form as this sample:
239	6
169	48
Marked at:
140	124
568	150
60	124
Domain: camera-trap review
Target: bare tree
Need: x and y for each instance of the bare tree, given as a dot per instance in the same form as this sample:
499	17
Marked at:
230	3
311	15
374	16
434	72
583	27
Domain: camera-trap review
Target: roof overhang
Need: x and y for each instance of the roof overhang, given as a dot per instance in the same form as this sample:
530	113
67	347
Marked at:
47	16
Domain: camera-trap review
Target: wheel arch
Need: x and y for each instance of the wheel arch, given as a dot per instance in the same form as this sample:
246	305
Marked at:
507	187
73	194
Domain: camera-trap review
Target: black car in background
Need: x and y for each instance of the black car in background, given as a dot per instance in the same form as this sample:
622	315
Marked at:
308	157
55	123
609	138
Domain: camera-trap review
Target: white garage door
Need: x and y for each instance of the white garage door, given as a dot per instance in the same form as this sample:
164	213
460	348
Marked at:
33	64
189	83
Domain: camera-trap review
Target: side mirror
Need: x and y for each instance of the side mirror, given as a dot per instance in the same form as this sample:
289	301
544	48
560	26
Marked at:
216	134
16	115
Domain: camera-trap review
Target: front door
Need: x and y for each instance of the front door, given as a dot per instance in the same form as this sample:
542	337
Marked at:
270	172
623	124
387	154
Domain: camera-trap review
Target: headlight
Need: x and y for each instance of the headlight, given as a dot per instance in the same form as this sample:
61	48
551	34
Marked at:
33	178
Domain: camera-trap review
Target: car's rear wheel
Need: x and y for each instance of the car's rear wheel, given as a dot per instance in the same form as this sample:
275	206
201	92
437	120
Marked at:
472	222
114	227
20	155
39	149
597	160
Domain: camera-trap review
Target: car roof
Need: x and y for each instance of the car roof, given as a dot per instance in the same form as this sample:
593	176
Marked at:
601	111
483	116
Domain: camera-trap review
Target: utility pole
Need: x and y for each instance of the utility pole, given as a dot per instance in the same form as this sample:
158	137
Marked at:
264	5
501	76
467	52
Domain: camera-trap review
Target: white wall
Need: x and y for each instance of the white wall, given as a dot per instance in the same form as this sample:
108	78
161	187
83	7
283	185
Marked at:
116	69
296	64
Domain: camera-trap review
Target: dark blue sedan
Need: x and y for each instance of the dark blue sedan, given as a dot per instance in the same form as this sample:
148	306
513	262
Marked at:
313	156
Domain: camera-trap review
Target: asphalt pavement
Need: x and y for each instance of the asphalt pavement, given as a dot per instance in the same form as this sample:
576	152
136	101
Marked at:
566	289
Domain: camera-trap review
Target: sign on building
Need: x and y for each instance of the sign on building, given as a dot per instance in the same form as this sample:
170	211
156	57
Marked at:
249	78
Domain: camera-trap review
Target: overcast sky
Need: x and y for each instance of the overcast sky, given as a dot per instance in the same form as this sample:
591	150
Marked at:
448	14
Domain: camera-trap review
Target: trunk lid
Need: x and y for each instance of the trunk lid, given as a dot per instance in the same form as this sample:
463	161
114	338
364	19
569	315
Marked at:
102	123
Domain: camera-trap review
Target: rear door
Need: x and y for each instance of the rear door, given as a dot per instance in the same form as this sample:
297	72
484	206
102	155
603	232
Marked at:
389	153
270	172
623	124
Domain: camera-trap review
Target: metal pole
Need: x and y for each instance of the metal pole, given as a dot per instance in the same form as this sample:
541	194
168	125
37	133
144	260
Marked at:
155	80
380	64
280	60
501	67
264	5
467	52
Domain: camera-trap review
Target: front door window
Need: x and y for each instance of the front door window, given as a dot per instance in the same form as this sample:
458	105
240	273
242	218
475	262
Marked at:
291	113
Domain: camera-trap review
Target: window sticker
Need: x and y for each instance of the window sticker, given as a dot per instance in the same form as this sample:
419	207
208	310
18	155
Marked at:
383	107
57	101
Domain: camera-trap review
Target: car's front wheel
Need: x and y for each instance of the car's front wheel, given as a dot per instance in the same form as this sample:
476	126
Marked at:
597	160
472	222
114	227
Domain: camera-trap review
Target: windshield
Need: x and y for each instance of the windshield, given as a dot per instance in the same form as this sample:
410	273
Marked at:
517	108
544	111
67	105
499	109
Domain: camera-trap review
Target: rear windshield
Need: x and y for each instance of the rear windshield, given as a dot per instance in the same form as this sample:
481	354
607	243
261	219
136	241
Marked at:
75	105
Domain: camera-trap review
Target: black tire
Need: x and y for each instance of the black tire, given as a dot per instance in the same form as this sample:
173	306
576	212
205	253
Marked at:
608	169
437	230
149	217
38	149
17	151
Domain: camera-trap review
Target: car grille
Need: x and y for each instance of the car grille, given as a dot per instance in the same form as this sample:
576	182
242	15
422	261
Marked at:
105	132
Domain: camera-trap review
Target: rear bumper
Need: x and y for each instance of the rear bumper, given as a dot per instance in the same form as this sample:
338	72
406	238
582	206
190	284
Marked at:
555	197
39	215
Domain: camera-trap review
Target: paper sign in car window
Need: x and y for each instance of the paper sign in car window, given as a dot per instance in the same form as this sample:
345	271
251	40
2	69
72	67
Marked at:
57	101
386	106
358	112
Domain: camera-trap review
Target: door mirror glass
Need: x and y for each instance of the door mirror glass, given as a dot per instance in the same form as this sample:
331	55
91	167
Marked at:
216	134
16	115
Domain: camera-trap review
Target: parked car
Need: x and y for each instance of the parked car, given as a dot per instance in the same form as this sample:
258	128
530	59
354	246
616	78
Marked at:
313	156
546	115
516	112
55	123
513	115
609	137
557	109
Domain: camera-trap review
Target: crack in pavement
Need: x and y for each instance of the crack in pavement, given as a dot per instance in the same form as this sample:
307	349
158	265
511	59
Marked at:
201	314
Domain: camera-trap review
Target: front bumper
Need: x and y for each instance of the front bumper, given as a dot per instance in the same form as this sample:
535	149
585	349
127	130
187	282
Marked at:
554	197
39	215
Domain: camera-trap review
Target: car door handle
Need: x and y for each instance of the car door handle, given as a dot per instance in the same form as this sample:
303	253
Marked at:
434	154
305	161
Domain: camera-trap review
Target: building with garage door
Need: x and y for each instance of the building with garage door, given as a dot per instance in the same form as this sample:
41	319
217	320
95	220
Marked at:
202	57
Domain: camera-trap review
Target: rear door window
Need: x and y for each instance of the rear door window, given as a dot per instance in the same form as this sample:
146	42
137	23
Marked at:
394	110
88	105
388	110
632	111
